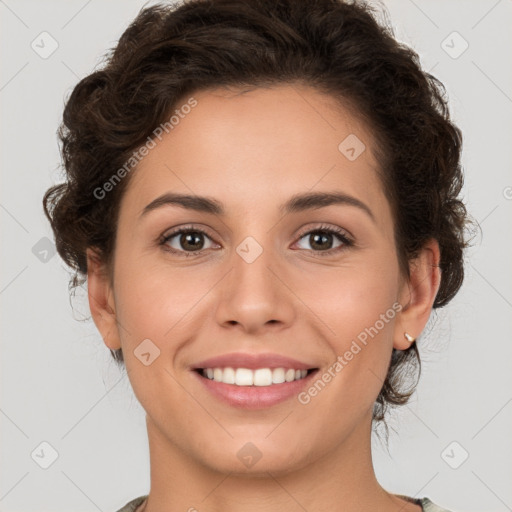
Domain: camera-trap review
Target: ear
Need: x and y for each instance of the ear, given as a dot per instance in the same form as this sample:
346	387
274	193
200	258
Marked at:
101	300
417	295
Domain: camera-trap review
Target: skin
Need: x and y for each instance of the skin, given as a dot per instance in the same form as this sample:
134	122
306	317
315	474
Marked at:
252	151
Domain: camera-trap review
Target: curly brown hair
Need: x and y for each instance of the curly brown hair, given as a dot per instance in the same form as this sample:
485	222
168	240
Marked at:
337	47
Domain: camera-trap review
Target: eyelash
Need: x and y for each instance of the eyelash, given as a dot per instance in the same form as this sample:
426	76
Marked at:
338	232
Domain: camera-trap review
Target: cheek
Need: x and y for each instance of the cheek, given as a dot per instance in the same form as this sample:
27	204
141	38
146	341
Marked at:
154	308
153	300
349	298
358	309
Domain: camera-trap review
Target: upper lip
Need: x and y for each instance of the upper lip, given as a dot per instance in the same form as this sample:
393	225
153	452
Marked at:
252	362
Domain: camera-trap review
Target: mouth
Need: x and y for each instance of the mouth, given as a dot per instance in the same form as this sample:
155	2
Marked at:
253	380
260	377
253	389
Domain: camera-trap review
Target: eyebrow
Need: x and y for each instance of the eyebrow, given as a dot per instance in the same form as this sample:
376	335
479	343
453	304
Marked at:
297	203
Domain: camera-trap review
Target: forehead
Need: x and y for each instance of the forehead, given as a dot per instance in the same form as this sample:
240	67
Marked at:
250	145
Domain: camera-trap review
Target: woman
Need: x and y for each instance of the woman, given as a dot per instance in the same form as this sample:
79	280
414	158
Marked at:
263	198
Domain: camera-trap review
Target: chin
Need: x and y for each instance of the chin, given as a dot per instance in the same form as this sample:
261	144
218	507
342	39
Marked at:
254	458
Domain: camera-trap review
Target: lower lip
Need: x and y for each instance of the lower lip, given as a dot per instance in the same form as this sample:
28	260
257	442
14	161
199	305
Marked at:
255	397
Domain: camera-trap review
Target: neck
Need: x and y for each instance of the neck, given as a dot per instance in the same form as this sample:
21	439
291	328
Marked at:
342	479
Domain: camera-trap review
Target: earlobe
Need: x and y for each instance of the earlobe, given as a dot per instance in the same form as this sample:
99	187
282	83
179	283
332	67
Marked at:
101	300
418	295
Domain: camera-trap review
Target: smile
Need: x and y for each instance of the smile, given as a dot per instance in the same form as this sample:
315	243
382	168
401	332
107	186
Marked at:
259	377
261	388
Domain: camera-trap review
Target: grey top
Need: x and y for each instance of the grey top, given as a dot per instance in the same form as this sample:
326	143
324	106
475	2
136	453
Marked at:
425	503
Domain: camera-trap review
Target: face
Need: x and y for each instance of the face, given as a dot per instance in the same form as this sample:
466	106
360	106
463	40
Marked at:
278	283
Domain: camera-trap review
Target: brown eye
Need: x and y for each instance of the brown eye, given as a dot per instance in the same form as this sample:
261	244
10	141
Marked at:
326	240
321	241
186	240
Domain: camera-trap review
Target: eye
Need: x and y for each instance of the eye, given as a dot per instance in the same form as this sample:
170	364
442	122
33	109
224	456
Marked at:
190	241
187	241
321	240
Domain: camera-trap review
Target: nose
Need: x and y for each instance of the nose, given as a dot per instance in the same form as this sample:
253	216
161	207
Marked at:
255	295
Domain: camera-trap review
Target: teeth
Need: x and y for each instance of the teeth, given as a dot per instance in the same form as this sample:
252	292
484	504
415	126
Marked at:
259	377
243	376
278	376
289	375
263	377
228	376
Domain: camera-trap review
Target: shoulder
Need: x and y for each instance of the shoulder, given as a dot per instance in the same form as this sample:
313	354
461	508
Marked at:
132	505
428	506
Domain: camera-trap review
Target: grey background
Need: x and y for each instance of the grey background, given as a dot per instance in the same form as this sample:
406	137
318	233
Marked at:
58	382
